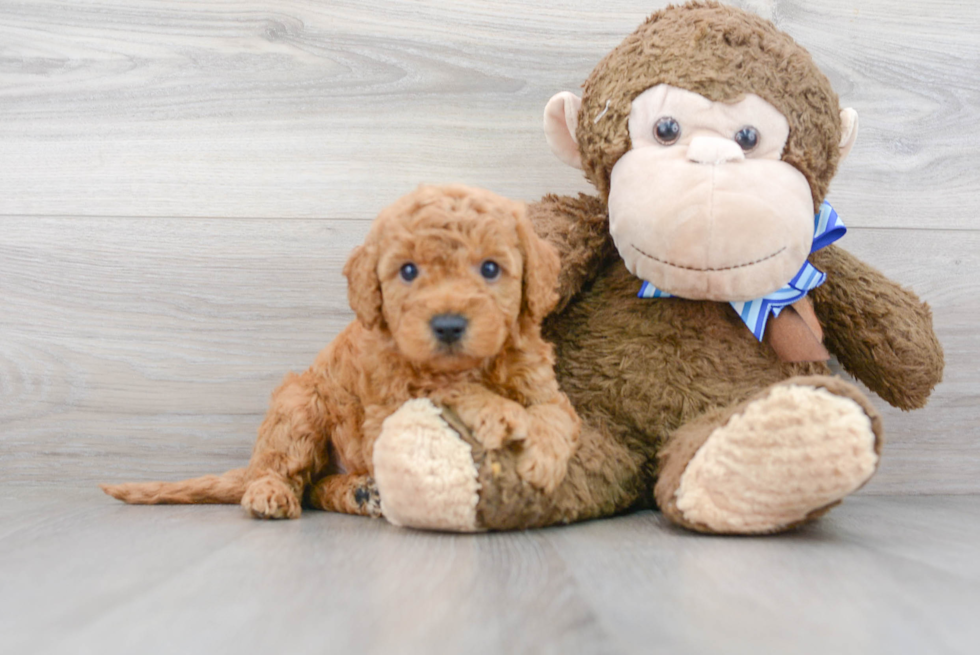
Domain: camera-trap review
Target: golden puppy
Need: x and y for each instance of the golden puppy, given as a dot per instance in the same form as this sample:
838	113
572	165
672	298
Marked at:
449	289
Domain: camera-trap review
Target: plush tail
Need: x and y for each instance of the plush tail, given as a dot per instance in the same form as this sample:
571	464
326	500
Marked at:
227	488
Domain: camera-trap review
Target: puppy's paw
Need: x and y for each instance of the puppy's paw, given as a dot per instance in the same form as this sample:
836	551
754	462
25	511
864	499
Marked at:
271	498
542	464
501	422
367	500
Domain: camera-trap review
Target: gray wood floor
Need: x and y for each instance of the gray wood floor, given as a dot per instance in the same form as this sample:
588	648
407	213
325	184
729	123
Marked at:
81	574
180	183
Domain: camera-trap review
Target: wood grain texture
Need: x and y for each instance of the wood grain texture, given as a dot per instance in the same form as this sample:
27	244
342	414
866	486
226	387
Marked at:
84	574
148	348
837	588
180	183
311	109
159	340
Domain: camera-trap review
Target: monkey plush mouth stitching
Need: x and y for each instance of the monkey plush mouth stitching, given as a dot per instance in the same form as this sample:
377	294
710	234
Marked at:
708	270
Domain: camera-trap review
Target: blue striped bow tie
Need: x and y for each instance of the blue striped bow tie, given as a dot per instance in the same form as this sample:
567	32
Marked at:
827	228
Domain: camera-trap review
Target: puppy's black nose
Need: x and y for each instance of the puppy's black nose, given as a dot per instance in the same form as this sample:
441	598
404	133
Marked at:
448	328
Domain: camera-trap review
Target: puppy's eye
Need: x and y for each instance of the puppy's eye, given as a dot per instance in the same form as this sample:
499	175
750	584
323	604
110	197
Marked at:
667	130
490	270
747	138
409	272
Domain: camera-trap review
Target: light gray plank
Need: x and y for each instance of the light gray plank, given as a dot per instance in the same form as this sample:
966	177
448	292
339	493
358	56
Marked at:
305	109
939	532
868	579
115	579
156	341
148	349
89	575
935	449
910	71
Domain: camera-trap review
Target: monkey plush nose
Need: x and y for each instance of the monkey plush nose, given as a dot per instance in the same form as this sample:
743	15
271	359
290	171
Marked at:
714	150
448	328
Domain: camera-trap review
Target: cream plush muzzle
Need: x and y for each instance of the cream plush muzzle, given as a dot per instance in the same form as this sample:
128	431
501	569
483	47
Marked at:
728	236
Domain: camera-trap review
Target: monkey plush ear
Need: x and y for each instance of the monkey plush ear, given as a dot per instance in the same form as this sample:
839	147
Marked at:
560	123
849	130
363	285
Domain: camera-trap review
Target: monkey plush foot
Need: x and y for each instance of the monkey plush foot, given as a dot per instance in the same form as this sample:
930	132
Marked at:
772	463
424	471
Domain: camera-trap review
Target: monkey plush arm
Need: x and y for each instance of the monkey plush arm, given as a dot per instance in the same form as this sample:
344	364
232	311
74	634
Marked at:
578	228
881	333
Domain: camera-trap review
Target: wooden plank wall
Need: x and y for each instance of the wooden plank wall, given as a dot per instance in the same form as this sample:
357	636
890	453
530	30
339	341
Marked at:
181	180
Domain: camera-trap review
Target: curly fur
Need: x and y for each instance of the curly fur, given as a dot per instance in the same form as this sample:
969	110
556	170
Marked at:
318	435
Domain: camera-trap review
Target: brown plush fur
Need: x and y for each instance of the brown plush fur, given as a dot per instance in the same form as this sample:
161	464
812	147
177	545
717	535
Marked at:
319	433
652	377
722	53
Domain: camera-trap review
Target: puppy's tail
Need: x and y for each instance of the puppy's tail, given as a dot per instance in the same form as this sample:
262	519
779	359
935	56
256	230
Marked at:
227	488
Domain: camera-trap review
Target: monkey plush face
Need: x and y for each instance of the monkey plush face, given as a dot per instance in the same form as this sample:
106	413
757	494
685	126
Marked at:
702	206
713	137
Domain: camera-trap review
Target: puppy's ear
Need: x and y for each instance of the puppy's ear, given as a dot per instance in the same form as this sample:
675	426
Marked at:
363	285
541	266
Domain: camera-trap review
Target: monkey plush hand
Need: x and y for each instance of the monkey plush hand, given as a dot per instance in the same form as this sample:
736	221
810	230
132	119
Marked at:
701	297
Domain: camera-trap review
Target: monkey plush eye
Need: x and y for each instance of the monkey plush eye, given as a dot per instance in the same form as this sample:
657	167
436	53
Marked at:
490	270
667	130
409	272
747	138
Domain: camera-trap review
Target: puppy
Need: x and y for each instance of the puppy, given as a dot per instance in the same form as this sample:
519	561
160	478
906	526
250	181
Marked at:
449	290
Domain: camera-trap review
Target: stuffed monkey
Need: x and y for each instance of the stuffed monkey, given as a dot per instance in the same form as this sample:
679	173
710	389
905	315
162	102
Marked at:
700	299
